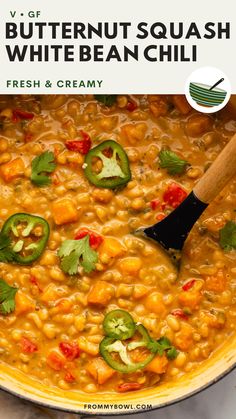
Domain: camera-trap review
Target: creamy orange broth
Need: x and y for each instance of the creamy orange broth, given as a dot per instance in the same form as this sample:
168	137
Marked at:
52	307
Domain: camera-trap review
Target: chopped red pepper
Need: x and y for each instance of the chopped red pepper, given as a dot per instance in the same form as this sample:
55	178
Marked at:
18	114
188	285
131	105
82	146
94	238
178	312
122	388
34	281
69	377
174	195
160	217
57	149
55	361
154	204
27	346
28	137
70	350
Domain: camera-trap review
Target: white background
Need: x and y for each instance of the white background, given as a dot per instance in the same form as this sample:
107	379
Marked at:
132	77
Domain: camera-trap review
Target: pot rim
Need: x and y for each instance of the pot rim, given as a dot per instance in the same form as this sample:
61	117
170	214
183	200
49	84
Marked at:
127	412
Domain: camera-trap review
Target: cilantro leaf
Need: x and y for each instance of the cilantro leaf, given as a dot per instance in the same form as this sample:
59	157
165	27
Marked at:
7	297
164	342
44	163
153	346
110	167
173	163
161	345
228	236
75	253
172	353
107	100
6	252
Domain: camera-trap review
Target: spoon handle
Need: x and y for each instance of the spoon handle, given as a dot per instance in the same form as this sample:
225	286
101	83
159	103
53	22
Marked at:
216	84
218	174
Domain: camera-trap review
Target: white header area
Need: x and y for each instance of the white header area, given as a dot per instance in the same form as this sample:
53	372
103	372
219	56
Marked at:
115	47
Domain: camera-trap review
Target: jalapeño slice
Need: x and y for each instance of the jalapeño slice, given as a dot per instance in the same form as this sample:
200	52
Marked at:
28	234
115	169
119	324
117	353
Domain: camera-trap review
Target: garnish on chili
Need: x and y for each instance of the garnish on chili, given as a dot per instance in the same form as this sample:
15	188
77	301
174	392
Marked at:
178	312
174	195
115	165
7	297
28	234
69	377
18	114
119	324
132	386
123	363
82	146
94	238
27	346
131	106
34	281
188	285
70	350
155	203
116	347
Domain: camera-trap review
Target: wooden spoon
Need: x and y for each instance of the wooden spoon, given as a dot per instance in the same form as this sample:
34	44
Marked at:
173	230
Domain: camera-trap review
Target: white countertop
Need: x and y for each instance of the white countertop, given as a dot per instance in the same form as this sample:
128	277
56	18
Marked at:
217	402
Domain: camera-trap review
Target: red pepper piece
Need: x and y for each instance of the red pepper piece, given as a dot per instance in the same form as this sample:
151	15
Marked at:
18	114
27	346
131	105
178	312
34	281
69	377
55	179
70	350
55	361
188	285
174	195
28	137
122	388
82	146
94	239
154	204
160	217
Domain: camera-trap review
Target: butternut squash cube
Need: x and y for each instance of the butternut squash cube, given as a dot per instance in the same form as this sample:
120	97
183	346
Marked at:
158	364
184	338
99	370
49	294
130	266
190	299
101	293
112	247
24	303
216	283
13	169
64	211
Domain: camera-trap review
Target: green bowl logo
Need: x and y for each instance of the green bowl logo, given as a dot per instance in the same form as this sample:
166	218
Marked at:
203	96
